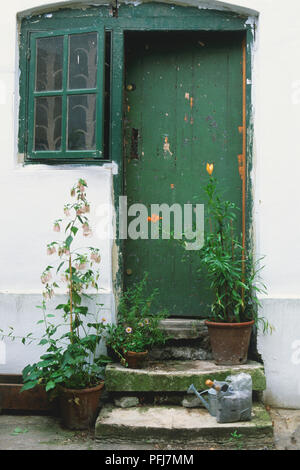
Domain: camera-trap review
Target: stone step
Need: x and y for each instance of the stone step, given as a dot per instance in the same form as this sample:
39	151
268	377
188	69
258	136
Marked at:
187	340
184	328
191	352
177	376
178	424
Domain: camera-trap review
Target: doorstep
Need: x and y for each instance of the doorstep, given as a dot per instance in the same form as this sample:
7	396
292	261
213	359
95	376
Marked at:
188	339
184	328
175	423
177	376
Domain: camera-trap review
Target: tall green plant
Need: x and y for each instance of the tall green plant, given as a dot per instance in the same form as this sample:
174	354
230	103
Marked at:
232	273
72	336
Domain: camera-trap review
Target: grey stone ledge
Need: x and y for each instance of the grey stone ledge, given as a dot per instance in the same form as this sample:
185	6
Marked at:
175	376
181	328
171	423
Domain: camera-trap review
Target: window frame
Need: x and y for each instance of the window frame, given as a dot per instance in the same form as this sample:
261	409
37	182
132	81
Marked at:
64	155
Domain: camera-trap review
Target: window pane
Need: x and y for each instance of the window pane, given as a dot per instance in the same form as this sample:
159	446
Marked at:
81	122
49	62
83	61
48	112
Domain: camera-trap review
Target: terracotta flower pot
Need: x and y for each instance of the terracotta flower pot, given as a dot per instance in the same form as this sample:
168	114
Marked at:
229	341
136	360
78	408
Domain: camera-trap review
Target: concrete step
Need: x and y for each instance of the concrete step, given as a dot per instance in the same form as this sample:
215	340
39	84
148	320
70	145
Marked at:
178	424
187	340
177	376
181	328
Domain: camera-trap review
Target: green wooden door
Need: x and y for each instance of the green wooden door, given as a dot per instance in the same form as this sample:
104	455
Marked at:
183	108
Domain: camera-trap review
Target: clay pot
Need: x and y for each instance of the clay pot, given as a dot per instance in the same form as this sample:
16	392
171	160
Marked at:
78	408
136	360
229	341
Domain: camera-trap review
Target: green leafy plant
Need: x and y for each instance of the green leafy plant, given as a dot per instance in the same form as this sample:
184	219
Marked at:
71	337
234	277
17	431
137	329
237	439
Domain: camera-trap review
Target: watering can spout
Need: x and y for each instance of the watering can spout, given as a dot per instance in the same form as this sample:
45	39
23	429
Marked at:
192	389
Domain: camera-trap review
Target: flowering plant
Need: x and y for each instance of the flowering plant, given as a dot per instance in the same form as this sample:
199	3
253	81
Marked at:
137	329
233	275
72	358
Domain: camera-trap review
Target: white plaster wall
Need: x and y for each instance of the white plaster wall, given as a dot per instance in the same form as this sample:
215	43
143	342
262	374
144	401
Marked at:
276	99
281	352
31	197
19	310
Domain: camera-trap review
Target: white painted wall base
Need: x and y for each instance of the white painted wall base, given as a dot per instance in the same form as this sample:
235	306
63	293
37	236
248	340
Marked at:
281	352
20	312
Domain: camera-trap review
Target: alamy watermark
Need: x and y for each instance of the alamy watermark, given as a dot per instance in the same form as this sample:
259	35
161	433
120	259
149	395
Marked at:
154	221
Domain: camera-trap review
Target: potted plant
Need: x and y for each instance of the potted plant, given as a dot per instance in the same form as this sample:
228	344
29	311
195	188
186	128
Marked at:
71	368
233	279
129	344
137	329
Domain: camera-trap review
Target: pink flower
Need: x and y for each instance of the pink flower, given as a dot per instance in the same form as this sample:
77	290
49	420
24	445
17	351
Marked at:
86	230
87	233
67	212
128	329
80	211
80	266
45	277
51	250
56	227
87	208
95	257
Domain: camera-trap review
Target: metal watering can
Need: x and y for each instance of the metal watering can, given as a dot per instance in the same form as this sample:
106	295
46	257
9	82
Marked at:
228	401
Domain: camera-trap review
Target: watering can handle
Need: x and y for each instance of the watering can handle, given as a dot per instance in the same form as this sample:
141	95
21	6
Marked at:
210	384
